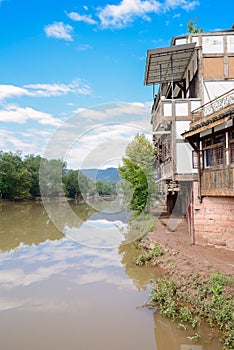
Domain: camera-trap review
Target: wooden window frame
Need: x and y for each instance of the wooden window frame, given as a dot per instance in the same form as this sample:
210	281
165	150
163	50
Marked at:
166	149
231	146
214	151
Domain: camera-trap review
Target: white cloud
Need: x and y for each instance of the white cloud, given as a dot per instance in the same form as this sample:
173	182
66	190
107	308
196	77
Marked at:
177	15
106	143
84	47
16	114
127	11
29	141
44	90
186	5
82	137
115	111
11	90
59	30
119	16
81	18
9	141
190	5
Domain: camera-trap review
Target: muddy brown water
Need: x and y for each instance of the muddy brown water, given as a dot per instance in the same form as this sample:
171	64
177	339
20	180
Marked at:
57	292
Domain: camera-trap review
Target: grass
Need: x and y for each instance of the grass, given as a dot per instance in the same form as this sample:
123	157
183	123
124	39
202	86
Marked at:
149	255
210	299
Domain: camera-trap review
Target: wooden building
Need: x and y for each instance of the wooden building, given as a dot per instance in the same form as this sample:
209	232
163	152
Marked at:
193	130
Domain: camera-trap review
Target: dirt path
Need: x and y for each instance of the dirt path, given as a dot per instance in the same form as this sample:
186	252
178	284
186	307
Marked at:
183	258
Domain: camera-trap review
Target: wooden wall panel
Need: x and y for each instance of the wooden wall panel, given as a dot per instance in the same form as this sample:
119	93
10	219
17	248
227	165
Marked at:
213	68
231	67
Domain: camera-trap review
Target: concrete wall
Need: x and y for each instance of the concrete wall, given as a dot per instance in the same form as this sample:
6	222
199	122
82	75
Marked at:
214	220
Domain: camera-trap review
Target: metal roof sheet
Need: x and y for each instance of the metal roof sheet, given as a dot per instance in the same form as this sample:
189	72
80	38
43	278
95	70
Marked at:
158	63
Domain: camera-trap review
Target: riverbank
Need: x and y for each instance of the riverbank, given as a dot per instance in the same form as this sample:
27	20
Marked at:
186	258
197	283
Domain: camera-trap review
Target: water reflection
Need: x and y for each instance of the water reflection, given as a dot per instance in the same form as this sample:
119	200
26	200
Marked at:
140	276
169	336
57	293
61	295
25	223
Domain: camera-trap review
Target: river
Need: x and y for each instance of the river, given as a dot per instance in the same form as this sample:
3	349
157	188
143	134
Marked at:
60	290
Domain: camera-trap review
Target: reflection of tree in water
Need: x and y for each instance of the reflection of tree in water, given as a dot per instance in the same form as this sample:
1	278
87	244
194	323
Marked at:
29	223
129	249
139	226
82	210
25	223
168	335
140	275
72	215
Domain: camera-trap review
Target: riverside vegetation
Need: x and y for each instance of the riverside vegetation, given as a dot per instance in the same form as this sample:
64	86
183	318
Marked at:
187	299
191	299
19	178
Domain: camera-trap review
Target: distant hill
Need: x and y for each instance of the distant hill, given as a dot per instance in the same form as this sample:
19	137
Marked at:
109	174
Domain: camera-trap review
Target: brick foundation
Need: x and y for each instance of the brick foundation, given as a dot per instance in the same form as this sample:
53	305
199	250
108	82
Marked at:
213	220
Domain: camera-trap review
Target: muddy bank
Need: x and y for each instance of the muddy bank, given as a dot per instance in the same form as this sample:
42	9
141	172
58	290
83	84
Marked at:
198	281
183	258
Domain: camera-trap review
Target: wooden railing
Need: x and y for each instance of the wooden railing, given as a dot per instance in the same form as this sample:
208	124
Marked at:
217	181
221	103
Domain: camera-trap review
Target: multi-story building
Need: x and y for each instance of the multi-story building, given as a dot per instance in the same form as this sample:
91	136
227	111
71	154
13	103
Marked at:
193	132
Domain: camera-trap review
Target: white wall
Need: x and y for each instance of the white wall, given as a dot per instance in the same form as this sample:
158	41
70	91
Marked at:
212	44
184	158
214	89
230	43
181	126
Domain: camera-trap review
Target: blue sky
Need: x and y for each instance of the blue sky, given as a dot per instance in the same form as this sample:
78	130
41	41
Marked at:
61	59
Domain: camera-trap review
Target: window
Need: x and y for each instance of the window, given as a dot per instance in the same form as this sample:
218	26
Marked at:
197	159
213	148
166	148
231	146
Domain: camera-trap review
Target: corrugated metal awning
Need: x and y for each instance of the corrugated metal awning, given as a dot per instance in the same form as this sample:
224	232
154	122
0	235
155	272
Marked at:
165	64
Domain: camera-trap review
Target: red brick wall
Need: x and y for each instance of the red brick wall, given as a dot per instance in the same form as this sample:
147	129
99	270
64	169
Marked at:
213	220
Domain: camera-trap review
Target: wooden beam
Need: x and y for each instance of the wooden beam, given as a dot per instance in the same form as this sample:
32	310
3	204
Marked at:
205	127
219	192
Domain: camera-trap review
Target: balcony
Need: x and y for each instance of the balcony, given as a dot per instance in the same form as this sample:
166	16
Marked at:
214	109
164	110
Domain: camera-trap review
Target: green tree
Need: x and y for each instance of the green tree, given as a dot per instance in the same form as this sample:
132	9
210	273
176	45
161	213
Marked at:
51	177
15	179
77	184
86	185
70	180
139	174
32	164
193	26
23	182
106	187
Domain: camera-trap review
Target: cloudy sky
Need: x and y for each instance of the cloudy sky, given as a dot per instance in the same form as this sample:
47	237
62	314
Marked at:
61	59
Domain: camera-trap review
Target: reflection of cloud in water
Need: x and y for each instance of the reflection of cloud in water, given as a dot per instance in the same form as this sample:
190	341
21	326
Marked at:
30	270
98	233
33	264
101	276
122	216
19	277
34	305
10	304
